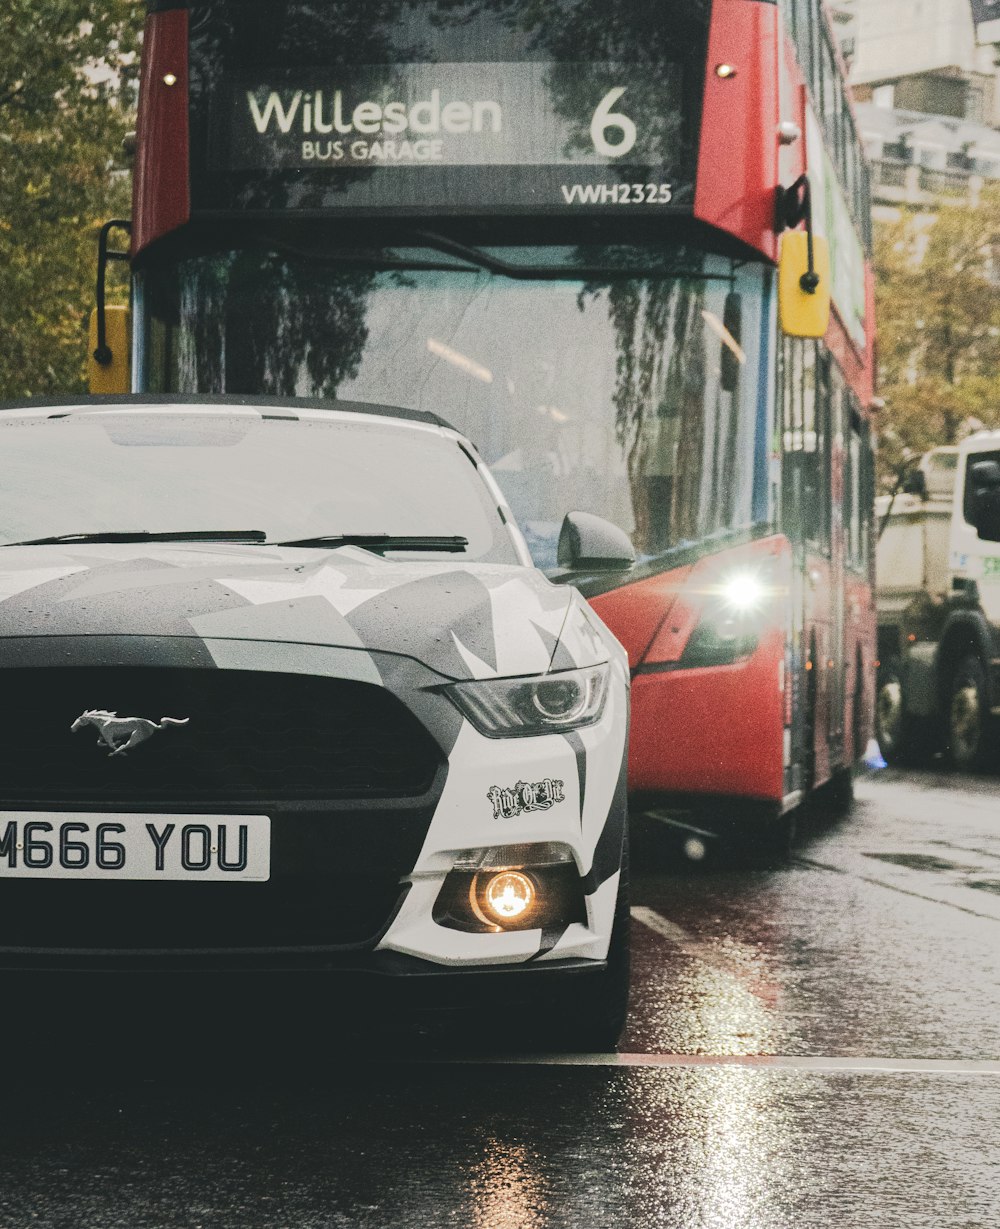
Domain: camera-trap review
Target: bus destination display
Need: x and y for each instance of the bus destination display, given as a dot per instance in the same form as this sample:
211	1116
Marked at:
572	135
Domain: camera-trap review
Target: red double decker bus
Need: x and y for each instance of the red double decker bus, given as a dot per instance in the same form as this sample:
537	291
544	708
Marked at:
561	227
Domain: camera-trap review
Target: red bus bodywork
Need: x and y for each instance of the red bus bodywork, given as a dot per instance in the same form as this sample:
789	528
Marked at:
724	731
713	732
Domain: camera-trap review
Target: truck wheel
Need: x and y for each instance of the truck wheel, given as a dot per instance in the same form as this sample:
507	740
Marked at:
891	723
968	716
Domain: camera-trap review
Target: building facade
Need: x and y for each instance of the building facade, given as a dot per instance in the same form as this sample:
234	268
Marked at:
920	55
927	89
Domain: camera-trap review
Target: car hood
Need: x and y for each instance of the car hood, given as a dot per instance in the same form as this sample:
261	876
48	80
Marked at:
461	620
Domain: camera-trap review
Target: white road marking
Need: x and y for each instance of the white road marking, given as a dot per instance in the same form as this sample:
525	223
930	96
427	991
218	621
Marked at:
756	1062
937	892
746	979
669	930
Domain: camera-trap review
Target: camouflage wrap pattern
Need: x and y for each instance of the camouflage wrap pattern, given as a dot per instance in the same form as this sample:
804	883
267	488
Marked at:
410	627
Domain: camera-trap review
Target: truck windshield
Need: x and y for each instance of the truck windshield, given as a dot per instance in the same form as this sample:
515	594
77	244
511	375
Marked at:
616	380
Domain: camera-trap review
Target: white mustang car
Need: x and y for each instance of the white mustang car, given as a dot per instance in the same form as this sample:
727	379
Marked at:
282	690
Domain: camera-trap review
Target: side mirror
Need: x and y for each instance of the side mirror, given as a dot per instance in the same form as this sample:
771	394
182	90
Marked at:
589	543
984	512
109	366
804	286
108	369
915	483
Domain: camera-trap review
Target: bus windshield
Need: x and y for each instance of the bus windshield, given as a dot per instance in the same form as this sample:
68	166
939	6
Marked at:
622	381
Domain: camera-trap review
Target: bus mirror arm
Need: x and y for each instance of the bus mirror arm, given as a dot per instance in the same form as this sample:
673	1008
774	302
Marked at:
804	269
809	281
794	208
102	351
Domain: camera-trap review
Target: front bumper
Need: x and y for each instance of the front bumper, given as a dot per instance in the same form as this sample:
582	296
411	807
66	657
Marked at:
353	885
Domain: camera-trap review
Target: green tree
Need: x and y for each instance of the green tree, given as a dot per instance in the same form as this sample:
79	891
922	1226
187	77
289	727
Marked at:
67	89
938	315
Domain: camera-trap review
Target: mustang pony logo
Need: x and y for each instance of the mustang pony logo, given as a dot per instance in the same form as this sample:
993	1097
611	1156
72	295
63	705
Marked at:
121	734
509	803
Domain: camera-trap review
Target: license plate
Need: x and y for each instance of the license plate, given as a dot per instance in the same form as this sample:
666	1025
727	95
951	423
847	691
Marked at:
71	845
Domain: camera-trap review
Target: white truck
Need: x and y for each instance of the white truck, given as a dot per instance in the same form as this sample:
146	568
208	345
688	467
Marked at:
938	599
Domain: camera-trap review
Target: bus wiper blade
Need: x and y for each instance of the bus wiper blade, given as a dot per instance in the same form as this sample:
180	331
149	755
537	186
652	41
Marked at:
557	273
382	542
140	535
364	259
483	259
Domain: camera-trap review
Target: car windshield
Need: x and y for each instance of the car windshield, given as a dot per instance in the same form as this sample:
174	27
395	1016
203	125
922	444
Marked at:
239	474
626	381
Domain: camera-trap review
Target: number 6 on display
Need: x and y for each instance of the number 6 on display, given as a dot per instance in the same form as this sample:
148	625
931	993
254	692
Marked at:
605	118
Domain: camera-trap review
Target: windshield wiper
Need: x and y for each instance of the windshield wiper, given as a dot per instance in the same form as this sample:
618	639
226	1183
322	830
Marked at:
140	535
365	259
382	542
557	273
470	259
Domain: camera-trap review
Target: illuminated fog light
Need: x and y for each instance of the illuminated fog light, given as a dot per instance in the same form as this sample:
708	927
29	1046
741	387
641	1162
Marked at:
743	593
533	886
509	895
170	79
725	71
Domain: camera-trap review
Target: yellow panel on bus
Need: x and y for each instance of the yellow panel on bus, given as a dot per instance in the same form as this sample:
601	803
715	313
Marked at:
804	313
114	376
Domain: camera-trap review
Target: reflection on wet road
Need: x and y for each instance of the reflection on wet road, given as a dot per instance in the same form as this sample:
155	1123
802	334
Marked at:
877	940
815	1045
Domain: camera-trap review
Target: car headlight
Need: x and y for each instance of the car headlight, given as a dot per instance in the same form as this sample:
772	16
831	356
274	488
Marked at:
541	704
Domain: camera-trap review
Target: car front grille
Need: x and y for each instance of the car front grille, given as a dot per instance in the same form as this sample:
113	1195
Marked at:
249	735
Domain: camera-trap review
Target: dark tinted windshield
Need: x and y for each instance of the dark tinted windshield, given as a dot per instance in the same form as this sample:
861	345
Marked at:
166	471
624	382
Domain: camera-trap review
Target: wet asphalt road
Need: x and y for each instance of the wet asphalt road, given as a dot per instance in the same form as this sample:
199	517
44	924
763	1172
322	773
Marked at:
814	1045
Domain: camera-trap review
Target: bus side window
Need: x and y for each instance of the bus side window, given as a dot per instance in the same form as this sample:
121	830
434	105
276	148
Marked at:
867	500
815	36
816	405
854	484
794	480
804	20
806	413
788	10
